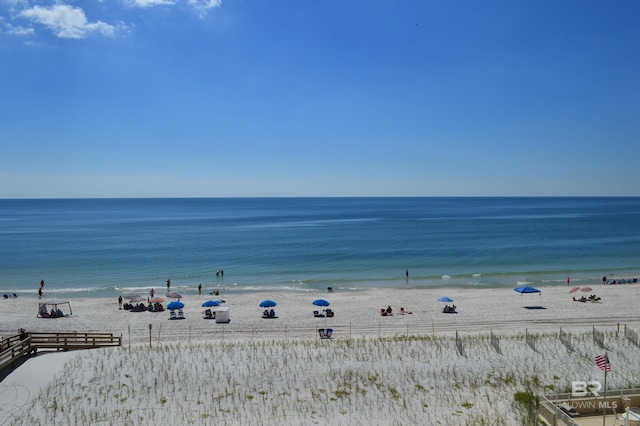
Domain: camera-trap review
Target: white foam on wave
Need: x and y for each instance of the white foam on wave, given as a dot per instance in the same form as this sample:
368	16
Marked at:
445	277
476	275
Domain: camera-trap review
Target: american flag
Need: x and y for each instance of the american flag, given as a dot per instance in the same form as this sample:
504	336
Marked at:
603	362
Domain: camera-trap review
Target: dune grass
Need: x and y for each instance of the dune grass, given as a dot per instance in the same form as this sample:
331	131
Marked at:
400	380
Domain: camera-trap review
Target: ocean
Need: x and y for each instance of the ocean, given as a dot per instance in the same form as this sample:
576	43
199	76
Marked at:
105	247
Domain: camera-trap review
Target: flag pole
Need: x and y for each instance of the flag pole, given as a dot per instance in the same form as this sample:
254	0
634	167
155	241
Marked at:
604	411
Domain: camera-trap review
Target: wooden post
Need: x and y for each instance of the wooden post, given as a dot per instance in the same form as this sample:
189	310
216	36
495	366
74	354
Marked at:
150	327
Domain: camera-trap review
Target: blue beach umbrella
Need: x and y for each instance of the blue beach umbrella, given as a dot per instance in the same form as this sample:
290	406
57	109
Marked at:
445	299
175	305
209	303
321	302
220	301
267	304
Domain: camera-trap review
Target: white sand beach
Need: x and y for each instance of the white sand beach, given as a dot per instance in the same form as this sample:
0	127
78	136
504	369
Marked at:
375	369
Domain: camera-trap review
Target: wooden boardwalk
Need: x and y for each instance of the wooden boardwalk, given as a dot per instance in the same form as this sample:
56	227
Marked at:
15	347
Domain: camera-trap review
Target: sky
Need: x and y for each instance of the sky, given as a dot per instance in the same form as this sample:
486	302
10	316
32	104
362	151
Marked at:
242	98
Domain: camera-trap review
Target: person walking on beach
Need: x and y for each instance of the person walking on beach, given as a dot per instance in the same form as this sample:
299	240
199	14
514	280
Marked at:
168	284
151	293
199	289
120	302
40	293
42	284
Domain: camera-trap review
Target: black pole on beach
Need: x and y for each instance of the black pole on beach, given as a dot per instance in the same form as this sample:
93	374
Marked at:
150	327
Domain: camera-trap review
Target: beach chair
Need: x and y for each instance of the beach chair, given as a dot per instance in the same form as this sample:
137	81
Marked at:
180	314
383	312
329	313
208	314
317	314
325	334
172	314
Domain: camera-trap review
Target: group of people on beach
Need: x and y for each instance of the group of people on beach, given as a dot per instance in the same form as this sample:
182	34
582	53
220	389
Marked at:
591	298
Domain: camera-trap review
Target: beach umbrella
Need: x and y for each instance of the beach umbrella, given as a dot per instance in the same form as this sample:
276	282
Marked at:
220	301
137	299
210	303
174	295
322	302
445	299
586	289
156	300
131	295
574	289
267	304
175	305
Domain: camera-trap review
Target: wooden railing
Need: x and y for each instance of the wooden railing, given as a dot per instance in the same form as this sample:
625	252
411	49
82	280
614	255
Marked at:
14	347
71	341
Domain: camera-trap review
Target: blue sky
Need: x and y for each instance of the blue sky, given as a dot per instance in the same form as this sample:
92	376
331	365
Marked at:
209	98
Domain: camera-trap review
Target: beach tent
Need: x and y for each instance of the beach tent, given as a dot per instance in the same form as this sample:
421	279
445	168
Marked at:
56	306
527	290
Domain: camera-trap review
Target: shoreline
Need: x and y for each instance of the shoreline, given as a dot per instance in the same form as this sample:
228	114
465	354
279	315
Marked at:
453	283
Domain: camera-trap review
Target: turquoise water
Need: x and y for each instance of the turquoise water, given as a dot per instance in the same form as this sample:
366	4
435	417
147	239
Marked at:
101	247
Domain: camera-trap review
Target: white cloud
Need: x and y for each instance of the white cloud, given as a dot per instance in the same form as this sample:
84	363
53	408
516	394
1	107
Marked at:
201	5
152	3
204	5
19	31
66	21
